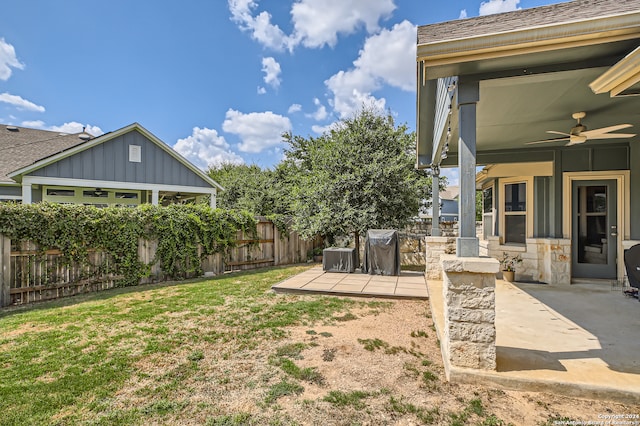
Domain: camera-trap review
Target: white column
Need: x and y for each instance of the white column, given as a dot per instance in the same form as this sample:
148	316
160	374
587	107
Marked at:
26	193
154	197
212	200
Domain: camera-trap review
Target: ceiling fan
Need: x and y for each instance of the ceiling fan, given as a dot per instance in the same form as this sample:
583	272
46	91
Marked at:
579	133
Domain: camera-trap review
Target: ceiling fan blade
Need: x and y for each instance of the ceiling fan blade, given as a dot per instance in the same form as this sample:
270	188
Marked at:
611	136
601	130
577	139
553	132
547	141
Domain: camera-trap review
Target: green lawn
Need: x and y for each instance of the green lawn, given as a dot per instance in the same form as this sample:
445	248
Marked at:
64	362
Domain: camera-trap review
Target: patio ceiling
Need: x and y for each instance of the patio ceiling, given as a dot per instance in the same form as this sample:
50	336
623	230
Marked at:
526	91
514	110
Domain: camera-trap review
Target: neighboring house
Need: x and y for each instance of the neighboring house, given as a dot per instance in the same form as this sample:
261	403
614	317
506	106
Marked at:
126	167
449	204
488	86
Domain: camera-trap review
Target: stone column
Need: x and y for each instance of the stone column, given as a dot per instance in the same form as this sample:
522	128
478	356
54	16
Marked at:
469	312
435	247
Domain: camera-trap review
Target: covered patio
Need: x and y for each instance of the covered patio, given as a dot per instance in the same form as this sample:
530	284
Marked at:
577	341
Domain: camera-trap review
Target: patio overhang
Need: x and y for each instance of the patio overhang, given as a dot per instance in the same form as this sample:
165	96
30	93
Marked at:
531	80
519	75
622	79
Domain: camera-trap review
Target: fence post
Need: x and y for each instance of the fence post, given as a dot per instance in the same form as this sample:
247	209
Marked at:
5	270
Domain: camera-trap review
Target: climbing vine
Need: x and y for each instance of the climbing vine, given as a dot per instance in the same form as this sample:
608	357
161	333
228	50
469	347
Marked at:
184	234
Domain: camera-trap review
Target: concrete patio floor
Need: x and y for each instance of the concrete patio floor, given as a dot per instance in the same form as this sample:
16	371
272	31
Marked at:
315	280
581	340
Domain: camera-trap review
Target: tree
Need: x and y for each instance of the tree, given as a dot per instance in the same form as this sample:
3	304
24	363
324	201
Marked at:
360	175
245	188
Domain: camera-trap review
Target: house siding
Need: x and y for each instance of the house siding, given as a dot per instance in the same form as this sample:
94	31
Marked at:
10	190
109	161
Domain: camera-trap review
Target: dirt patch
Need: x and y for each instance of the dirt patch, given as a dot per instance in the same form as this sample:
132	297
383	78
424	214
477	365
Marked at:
375	366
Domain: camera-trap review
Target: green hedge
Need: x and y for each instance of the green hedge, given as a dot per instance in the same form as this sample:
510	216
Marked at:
178	229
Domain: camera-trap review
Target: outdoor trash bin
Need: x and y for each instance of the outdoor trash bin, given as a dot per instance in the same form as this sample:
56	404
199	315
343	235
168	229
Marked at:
339	259
382	252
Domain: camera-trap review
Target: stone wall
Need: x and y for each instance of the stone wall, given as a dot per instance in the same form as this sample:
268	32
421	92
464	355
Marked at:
546	260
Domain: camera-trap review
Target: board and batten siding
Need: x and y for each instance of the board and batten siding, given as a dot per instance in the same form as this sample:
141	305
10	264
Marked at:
12	190
109	161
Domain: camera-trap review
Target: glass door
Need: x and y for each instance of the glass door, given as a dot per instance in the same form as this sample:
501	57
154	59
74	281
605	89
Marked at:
594	229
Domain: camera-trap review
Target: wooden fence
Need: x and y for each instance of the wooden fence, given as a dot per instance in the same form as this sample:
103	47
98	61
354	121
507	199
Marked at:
28	276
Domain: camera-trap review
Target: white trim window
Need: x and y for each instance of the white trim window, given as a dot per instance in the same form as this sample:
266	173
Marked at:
516	216
98	197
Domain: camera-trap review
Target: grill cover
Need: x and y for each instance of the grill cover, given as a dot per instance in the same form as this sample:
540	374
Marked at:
339	259
382	252
632	264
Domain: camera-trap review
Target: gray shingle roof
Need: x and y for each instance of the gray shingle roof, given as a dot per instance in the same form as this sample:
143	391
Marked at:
576	10
23	146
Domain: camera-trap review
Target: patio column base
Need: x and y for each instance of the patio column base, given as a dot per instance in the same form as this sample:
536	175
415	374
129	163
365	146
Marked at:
435	247
469	338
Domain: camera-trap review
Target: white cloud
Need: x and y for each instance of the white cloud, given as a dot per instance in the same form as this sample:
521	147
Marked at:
318	22
34	124
75	127
321	111
261	90
71	127
20	103
294	108
322	129
463	14
8	60
259	26
498	6
206	148
258	130
386	58
390	56
271	69
352	89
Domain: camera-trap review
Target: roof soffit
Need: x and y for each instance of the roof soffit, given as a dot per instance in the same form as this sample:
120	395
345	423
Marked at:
546	38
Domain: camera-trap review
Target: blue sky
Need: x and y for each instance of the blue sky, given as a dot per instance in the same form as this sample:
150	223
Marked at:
218	80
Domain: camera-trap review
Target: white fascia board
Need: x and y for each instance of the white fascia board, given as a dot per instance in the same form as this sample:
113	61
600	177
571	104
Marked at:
52	181
106	137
